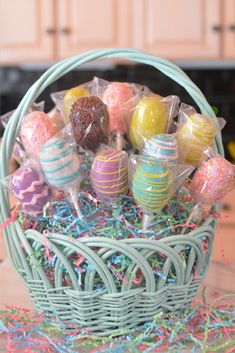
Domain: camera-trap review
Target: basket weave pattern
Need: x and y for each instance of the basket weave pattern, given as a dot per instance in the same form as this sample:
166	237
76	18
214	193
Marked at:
107	311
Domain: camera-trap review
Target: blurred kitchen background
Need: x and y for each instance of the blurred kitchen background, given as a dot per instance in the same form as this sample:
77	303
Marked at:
199	35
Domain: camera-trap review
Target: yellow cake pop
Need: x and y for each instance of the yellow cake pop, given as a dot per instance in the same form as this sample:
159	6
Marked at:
70	98
195	135
150	118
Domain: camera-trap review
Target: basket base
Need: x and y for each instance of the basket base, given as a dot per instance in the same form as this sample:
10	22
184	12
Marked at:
104	314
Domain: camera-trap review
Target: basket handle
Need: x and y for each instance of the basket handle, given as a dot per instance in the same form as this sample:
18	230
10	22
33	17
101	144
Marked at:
69	64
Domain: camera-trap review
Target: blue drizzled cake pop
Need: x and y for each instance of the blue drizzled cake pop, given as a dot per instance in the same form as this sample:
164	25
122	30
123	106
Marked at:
162	147
61	166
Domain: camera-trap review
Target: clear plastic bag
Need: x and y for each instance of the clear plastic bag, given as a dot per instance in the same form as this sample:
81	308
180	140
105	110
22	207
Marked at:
57	118
60	162
153	182
153	115
29	187
109	174
90	123
61	165
19	153
121	99
195	133
162	147
36	128
65	99
214	179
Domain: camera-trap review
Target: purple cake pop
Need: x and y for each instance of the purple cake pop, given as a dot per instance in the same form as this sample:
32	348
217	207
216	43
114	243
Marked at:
30	189
109	174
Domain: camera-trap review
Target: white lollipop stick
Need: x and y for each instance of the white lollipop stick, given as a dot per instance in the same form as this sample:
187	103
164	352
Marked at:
147	219
74	199
196	213
119	141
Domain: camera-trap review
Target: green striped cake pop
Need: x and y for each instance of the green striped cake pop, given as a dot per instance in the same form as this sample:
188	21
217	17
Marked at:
151	185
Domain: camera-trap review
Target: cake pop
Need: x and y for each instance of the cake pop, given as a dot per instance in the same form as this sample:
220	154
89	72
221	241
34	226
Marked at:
151	186
109	174
90	122
30	189
36	129
71	97
62	167
121	99
162	147
150	118
212	181
194	136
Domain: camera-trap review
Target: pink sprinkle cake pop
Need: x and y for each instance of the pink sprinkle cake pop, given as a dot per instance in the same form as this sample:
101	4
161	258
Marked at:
121	100
36	129
213	180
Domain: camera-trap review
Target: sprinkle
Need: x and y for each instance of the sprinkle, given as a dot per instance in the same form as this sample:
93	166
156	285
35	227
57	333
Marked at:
12	218
202	327
122	221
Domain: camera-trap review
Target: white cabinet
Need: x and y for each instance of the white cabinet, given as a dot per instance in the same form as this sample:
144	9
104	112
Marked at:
27	30
42	30
86	25
182	29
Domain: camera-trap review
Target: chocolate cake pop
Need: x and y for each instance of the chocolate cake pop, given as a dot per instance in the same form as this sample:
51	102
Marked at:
90	122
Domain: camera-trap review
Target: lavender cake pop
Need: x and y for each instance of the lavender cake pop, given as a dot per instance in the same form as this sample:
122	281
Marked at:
109	174
30	189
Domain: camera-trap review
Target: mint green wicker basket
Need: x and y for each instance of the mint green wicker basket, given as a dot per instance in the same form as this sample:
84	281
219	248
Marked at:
108	311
